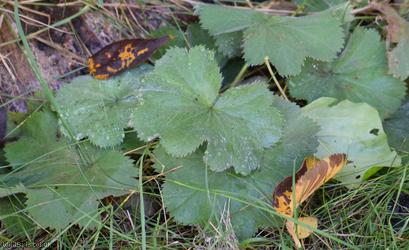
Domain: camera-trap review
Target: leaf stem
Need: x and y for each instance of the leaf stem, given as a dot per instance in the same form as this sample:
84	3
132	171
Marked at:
267	62
141	203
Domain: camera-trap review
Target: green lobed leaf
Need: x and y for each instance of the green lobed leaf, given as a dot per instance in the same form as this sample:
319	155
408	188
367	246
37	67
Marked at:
287	41
195	195
182	104
101	109
359	75
354	129
64	182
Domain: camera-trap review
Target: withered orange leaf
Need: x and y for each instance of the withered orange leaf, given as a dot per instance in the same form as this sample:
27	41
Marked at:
302	232
118	56
397	25
312	174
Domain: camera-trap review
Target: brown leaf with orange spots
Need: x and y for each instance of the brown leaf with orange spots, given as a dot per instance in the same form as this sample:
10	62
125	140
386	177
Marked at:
312	175
121	55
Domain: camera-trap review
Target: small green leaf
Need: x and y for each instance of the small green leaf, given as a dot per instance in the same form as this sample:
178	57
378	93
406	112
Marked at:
40	130
359	75
15	220
73	196
102	109
177	39
397	129
182	104
356	130
64	182
229	44
198	36
195	195
287	41
220	20
132	143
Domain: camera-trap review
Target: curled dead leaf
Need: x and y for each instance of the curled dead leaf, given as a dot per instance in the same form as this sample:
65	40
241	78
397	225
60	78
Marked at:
312	174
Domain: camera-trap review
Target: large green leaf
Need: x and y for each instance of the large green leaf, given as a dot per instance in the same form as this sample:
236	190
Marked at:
195	195
359	75
101	109
63	182
354	129
287	41
182	104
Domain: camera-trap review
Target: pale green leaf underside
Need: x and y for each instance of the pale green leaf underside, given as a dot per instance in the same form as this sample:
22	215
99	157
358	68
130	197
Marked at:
62	185
102	109
354	129
359	74
195	195
8	190
287	41
182	104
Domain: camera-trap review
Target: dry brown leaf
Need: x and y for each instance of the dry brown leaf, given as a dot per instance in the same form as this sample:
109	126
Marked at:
312	175
398	32
301	232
